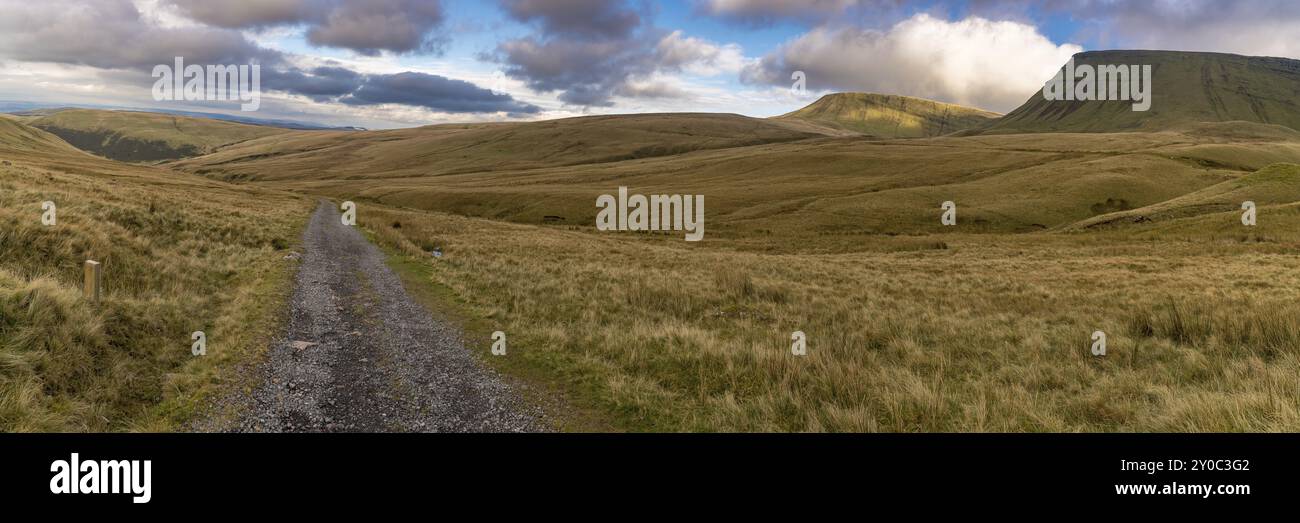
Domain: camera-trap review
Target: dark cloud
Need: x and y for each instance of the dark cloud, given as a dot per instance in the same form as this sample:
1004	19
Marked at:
321	84
761	13
434	92
576	18
368	27
112	34
371	26
248	14
585	73
586	50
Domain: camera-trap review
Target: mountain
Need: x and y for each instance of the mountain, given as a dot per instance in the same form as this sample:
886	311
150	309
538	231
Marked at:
1187	88
889	116
144	137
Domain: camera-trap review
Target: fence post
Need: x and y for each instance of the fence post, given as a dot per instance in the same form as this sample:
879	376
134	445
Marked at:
92	281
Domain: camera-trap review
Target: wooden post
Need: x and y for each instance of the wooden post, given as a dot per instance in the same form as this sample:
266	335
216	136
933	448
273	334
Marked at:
92	281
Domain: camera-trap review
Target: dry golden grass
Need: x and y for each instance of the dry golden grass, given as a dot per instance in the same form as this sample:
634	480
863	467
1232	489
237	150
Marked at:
460	148
911	326
838	194
981	333
179	254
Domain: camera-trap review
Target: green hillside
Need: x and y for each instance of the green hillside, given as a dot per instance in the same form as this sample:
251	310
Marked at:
889	116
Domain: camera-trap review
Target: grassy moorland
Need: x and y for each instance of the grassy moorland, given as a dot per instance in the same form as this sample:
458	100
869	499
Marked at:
839	193
180	254
959	332
1133	230
912	326
438	150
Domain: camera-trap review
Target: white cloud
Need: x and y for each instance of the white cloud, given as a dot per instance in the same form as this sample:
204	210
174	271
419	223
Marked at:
994	65
699	56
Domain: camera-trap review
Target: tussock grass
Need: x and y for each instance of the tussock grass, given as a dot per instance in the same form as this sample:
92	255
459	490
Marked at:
990	334
179	255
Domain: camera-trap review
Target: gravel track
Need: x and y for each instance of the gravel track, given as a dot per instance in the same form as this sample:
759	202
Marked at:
379	362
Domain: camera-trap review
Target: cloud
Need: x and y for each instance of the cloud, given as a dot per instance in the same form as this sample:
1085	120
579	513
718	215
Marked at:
248	14
812	13
698	56
965	62
321	84
1250	27
112	34
434	92
115	38
1257	27
371	26
368	27
583	49
599	19
590	51
767	12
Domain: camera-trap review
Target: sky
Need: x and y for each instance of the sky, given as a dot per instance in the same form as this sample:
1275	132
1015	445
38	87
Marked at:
404	63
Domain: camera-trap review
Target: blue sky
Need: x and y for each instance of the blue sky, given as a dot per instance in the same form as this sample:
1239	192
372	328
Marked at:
399	63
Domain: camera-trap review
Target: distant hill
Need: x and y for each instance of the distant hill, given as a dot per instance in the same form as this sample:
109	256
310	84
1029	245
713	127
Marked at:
463	148
1188	88
889	116
20	140
144	137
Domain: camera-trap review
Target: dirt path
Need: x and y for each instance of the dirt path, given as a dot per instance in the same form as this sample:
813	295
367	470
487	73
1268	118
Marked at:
379	361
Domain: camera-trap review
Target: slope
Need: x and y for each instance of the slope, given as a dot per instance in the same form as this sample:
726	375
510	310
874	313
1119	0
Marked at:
179	254
458	148
1276	184
1187	88
888	116
145	137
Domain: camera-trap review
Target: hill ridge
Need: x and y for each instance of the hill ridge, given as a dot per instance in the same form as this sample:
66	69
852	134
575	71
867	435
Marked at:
1187	88
890	116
